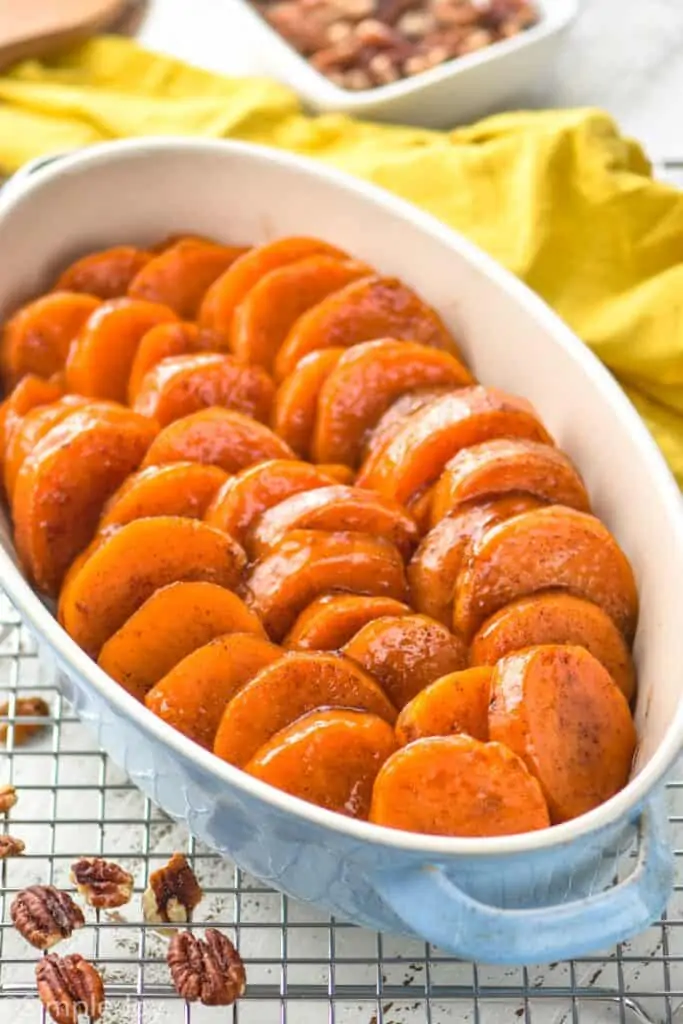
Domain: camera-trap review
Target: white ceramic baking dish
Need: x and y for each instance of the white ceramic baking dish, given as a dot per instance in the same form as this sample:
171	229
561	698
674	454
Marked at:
526	898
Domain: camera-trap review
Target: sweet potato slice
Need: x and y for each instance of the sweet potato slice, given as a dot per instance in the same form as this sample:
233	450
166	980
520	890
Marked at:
30	429
284	691
37	338
330	758
267	312
217	437
193	695
332	619
406	653
433	569
30	393
181	238
307	563
228	291
555	618
334	509
416	456
63	483
457	786
105	274
181	385
558	708
397	414
508	464
129	565
177	489
547	548
296	401
241	502
374	307
173	622
366	381
179	276
455	703
175	338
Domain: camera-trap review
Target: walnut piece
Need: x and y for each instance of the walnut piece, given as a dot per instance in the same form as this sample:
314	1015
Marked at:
101	883
45	915
11	847
172	894
8	798
25	707
209	970
70	988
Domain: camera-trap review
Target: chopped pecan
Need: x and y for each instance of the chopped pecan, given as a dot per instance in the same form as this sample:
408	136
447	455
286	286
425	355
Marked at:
209	971
70	988
45	915
11	847
172	894
102	883
8	798
25	707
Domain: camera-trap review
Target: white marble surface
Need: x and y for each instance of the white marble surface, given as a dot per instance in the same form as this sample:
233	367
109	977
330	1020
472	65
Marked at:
623	55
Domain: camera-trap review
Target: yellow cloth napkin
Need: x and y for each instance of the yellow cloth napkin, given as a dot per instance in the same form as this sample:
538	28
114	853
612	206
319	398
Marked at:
559	197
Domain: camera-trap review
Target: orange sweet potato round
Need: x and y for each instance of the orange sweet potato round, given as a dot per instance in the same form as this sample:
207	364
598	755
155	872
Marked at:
561	712
105	274
173	622
30	393
193	695
284	691
37	338
332	619
129	565
175	489
457	786
175	338
455	703
296	400
307	563
400	410
330	758
366	381
28	431
179	276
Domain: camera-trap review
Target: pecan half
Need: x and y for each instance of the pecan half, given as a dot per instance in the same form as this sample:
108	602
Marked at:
209	970
8	798
102	883
45	915
172	894
25	707
11	847
70	988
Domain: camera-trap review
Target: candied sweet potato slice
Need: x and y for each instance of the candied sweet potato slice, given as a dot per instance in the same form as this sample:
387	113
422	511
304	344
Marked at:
457	786
31	428
30	393
366	381
332	619
374	307
37	338
406	653
180	385
558	708
416	456
455	703
217	437
330	758
181	238
307	563
193	695
63	483
179	276
176	489
546	548
396	415
555	618
175	338
299	682
105	274
296	400
129	565
174	621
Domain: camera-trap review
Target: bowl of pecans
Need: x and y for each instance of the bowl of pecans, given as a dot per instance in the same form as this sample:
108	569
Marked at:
433	63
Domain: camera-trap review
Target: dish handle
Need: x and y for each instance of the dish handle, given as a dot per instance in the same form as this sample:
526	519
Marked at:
435	908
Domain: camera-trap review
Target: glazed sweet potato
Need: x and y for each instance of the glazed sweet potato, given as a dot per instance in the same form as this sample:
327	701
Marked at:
560	711
284	691
178	237
193	695
128	566
406	653
555	618
296	400
102	354
217	437
173	622
176	489
105	274
28	430
455	703
366	381
179	276
332	619
507	465
400	410
547	548
175	338
457	786
30	393
330	758
416	456
63	483
37	338
374	307
307	563
180	385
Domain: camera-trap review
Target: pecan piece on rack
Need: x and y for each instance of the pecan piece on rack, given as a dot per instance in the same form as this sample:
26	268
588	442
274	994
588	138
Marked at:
11	847
8	798
172	894
70	988
25	707
208	970
101	883
45	915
